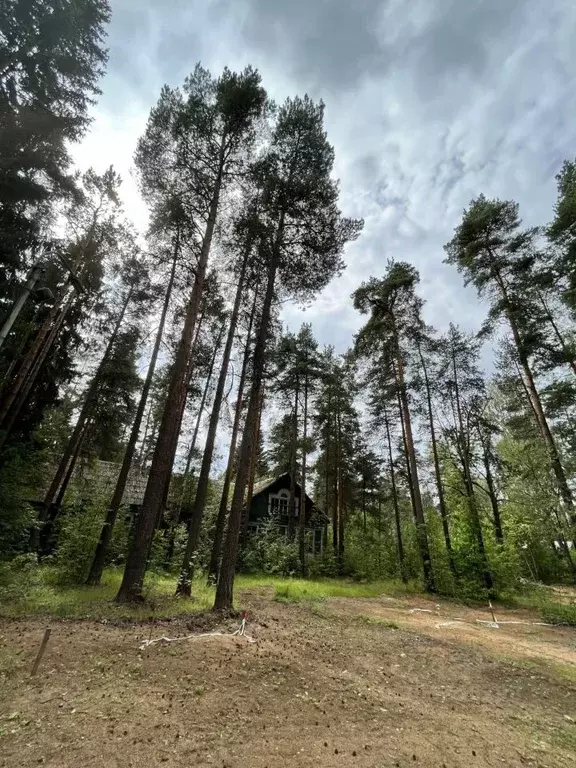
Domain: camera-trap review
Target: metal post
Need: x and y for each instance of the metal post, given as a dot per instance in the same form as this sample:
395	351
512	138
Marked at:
33	278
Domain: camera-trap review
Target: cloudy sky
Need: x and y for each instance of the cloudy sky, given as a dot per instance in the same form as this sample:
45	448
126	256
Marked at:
428	103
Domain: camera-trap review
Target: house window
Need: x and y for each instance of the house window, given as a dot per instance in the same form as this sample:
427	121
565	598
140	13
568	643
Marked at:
253	528
278	503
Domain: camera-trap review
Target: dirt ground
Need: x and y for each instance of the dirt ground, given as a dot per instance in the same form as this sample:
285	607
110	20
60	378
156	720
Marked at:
347	682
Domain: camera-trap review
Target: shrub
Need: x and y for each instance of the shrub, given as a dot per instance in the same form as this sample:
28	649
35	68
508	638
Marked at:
558	613
270	552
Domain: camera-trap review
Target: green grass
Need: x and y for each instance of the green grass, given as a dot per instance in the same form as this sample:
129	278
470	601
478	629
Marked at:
374	621
46	597
39	593
302	590
545	601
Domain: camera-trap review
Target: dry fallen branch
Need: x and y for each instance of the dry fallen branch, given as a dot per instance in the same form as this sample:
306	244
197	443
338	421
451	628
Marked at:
240	632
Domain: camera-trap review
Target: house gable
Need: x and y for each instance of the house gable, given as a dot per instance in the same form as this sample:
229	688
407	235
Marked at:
274	498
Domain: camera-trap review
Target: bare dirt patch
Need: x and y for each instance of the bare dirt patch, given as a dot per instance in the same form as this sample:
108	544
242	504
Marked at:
322	686
520	634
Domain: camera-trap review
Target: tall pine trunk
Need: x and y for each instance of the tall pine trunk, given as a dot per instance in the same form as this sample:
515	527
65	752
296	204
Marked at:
536	403
405	449
302	520
176	435
293	463
327	454
223	508
557	333
187	478
472	501
496	519
17	396
437	471
429	585
340	493
252	473
163	458
98	561
399	542
184	586
335	528
49	511
47	534
225	587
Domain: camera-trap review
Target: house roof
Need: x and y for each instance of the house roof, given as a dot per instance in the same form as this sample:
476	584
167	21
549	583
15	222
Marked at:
268	484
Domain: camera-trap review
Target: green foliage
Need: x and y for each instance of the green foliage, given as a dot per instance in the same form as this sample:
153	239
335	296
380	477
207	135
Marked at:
79	529
20	471
270	552
301	590
45	595
52	57
559	613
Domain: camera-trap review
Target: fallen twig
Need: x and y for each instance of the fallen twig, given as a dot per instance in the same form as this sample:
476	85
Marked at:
241	632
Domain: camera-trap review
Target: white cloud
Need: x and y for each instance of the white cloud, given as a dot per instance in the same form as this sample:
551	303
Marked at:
428	104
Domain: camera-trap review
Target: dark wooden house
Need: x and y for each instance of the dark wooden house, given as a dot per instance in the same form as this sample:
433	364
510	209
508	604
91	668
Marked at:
271	501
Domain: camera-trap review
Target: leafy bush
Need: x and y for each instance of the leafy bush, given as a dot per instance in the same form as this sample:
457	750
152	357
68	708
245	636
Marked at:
79	531
559	613
323	566
18	473
18	577
270	552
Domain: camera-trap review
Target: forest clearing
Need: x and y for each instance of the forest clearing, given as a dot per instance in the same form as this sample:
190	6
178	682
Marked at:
235	534
391	680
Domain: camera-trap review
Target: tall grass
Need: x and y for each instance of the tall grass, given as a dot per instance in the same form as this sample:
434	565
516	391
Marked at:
45	596
38	591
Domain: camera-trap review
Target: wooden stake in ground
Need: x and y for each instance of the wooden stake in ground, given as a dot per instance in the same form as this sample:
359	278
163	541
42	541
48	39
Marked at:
41	650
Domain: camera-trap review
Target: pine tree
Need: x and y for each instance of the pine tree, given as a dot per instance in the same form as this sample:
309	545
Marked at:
488	247
395	311
208	133
214	564
51	58
465	391
305	235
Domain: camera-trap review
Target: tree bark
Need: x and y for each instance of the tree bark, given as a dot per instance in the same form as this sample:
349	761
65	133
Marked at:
47	515
225	587
45	545
405	447
559	338
499	533
31	356
293	463
302	520
98	561
162	460
340	496
400	545
536	403
472	502
429	585
327	455
20	392
437	471
187	474
252	473
184	586
176	435
335	527
221	519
